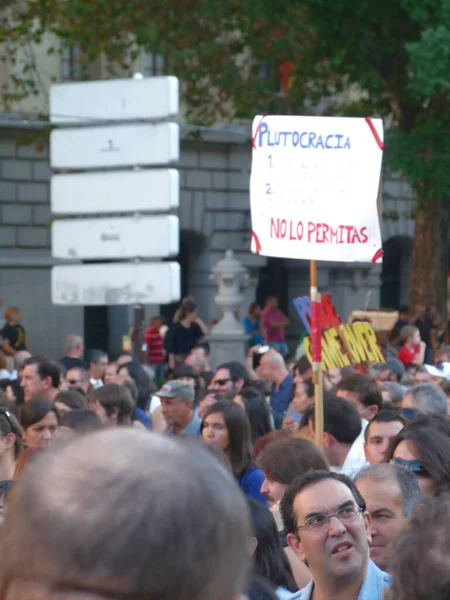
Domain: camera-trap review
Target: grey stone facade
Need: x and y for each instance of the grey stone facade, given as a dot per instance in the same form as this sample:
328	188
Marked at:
214	216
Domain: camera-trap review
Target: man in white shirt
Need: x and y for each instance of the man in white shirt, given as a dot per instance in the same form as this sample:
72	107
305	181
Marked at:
343	437
98	360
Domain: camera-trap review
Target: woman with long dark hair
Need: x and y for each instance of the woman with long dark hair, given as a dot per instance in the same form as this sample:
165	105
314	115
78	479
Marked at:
269	558
186	331
257	410
227	426
425	452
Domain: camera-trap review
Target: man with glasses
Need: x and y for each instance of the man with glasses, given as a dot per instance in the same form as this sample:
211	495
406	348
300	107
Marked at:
77	378
229	379
327	526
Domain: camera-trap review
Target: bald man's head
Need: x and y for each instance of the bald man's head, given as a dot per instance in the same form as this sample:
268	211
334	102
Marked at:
125	514
272	366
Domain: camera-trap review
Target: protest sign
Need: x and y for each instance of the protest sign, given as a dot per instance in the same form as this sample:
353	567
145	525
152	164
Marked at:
314	186
342	345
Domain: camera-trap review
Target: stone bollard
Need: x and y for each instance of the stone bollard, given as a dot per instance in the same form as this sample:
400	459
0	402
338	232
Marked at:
227	339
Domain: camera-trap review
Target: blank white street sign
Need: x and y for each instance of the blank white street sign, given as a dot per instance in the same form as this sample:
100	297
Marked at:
117	237
115	191
114	146
116	283
116	99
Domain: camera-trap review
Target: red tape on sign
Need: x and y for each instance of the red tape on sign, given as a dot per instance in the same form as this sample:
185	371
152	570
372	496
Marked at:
256	134
375	133
316	332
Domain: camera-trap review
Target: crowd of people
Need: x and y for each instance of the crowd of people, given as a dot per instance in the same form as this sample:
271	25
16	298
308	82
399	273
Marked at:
126	481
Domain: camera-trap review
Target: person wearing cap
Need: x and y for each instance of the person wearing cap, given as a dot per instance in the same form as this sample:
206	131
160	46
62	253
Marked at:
391	370
177	406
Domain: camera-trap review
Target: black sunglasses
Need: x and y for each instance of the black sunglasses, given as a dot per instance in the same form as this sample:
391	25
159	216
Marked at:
222	381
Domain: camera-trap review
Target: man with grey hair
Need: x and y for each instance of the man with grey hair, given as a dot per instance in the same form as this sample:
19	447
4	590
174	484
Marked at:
273	369
390	493
426	398
74	353
124	514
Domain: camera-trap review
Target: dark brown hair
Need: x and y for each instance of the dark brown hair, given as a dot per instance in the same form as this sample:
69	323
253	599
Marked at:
240	450
35	410
115	398
284	460
71	398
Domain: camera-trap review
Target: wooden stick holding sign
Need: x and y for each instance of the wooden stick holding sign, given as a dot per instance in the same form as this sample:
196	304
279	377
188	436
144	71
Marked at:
316	346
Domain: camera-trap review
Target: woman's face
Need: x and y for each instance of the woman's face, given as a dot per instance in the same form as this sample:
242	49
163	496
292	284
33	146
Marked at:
301	399
41	434
215	431
406	450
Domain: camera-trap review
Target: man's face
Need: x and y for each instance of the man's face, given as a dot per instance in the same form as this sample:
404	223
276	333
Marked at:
385	504
265	369
110	373
379	435
73	380
273	490
384	374
174	411
337	552
33	386
222	382
421	378
98	369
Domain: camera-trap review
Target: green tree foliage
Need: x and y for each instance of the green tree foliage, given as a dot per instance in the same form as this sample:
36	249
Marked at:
394	55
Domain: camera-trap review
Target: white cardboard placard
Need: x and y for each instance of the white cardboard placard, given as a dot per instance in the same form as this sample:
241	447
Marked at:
314	186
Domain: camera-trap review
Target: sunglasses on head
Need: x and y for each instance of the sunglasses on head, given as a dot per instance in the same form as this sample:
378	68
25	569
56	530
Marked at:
415	466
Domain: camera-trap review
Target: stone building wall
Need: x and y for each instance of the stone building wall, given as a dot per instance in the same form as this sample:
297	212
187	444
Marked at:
214	216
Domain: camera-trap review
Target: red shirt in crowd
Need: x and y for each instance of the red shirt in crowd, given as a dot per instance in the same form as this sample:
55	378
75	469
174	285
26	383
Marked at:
155	346
407	357
270	333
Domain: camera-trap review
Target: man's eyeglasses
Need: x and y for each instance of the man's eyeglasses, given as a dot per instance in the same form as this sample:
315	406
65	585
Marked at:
73	381
415	466
318	522
5	411
222	382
